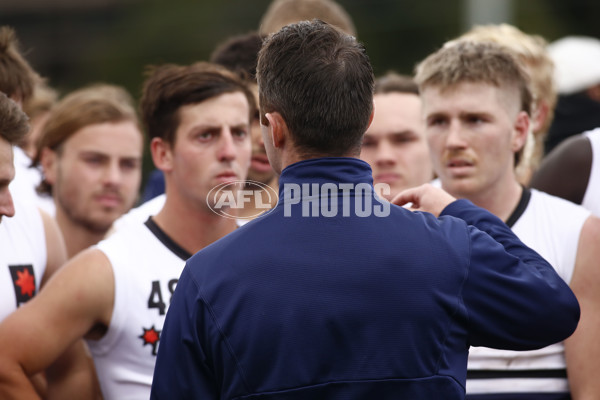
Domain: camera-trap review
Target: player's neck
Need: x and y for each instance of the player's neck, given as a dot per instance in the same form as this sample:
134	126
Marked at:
500	199
192	227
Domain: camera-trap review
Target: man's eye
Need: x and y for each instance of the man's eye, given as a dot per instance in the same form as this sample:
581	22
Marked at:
93	160
436	122
241	133
206	136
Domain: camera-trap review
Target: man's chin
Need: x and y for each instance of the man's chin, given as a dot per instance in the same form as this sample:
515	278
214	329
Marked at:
101	223
461	188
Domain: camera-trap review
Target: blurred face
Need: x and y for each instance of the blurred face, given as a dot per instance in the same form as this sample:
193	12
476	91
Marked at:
395	145
7	173
96	174
474	130
260	168
212	146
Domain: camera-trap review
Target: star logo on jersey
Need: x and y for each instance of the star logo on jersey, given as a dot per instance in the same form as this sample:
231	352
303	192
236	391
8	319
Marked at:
151	336
23	279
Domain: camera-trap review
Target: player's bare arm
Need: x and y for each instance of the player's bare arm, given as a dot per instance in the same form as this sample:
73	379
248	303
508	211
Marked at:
76	302
582	349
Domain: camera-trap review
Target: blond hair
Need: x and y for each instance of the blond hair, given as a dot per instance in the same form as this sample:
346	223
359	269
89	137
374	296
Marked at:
532	51
284	12
476	62
95	104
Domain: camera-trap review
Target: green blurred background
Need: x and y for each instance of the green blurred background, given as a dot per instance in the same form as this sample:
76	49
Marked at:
77	42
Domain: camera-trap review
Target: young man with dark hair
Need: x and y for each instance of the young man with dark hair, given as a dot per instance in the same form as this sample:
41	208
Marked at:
336	294
240	54
476	105
116	294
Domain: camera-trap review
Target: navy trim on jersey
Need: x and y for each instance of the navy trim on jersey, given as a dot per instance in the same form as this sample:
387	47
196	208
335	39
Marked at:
166	240
521	373
521	207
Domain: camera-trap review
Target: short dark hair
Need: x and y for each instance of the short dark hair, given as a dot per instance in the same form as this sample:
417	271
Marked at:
239	54
169	87
14	123
321	81
393	82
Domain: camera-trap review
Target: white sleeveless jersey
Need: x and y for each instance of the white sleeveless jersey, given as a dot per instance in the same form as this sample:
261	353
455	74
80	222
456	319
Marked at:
23	256
23	186
551	226
146	266
591	199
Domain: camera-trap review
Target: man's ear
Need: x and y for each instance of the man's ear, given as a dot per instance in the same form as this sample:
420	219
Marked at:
49	163
162	154
521	128
278	129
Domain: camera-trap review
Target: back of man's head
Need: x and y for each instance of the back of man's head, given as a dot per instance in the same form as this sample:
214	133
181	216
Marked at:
17	78
284	12
321	82
95	104
14	123
169	87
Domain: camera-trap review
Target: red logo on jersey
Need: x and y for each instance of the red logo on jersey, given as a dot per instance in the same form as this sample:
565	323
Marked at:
23	279
151	336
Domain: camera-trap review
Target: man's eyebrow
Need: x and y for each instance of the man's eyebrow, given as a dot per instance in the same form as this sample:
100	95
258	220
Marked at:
93	153
475	113
436	114
403	132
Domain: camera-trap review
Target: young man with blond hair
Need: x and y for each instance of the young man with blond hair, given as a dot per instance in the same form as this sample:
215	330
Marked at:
476	106
90	150
532	51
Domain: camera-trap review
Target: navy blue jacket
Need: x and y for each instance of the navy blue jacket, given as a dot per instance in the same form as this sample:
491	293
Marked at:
291	306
